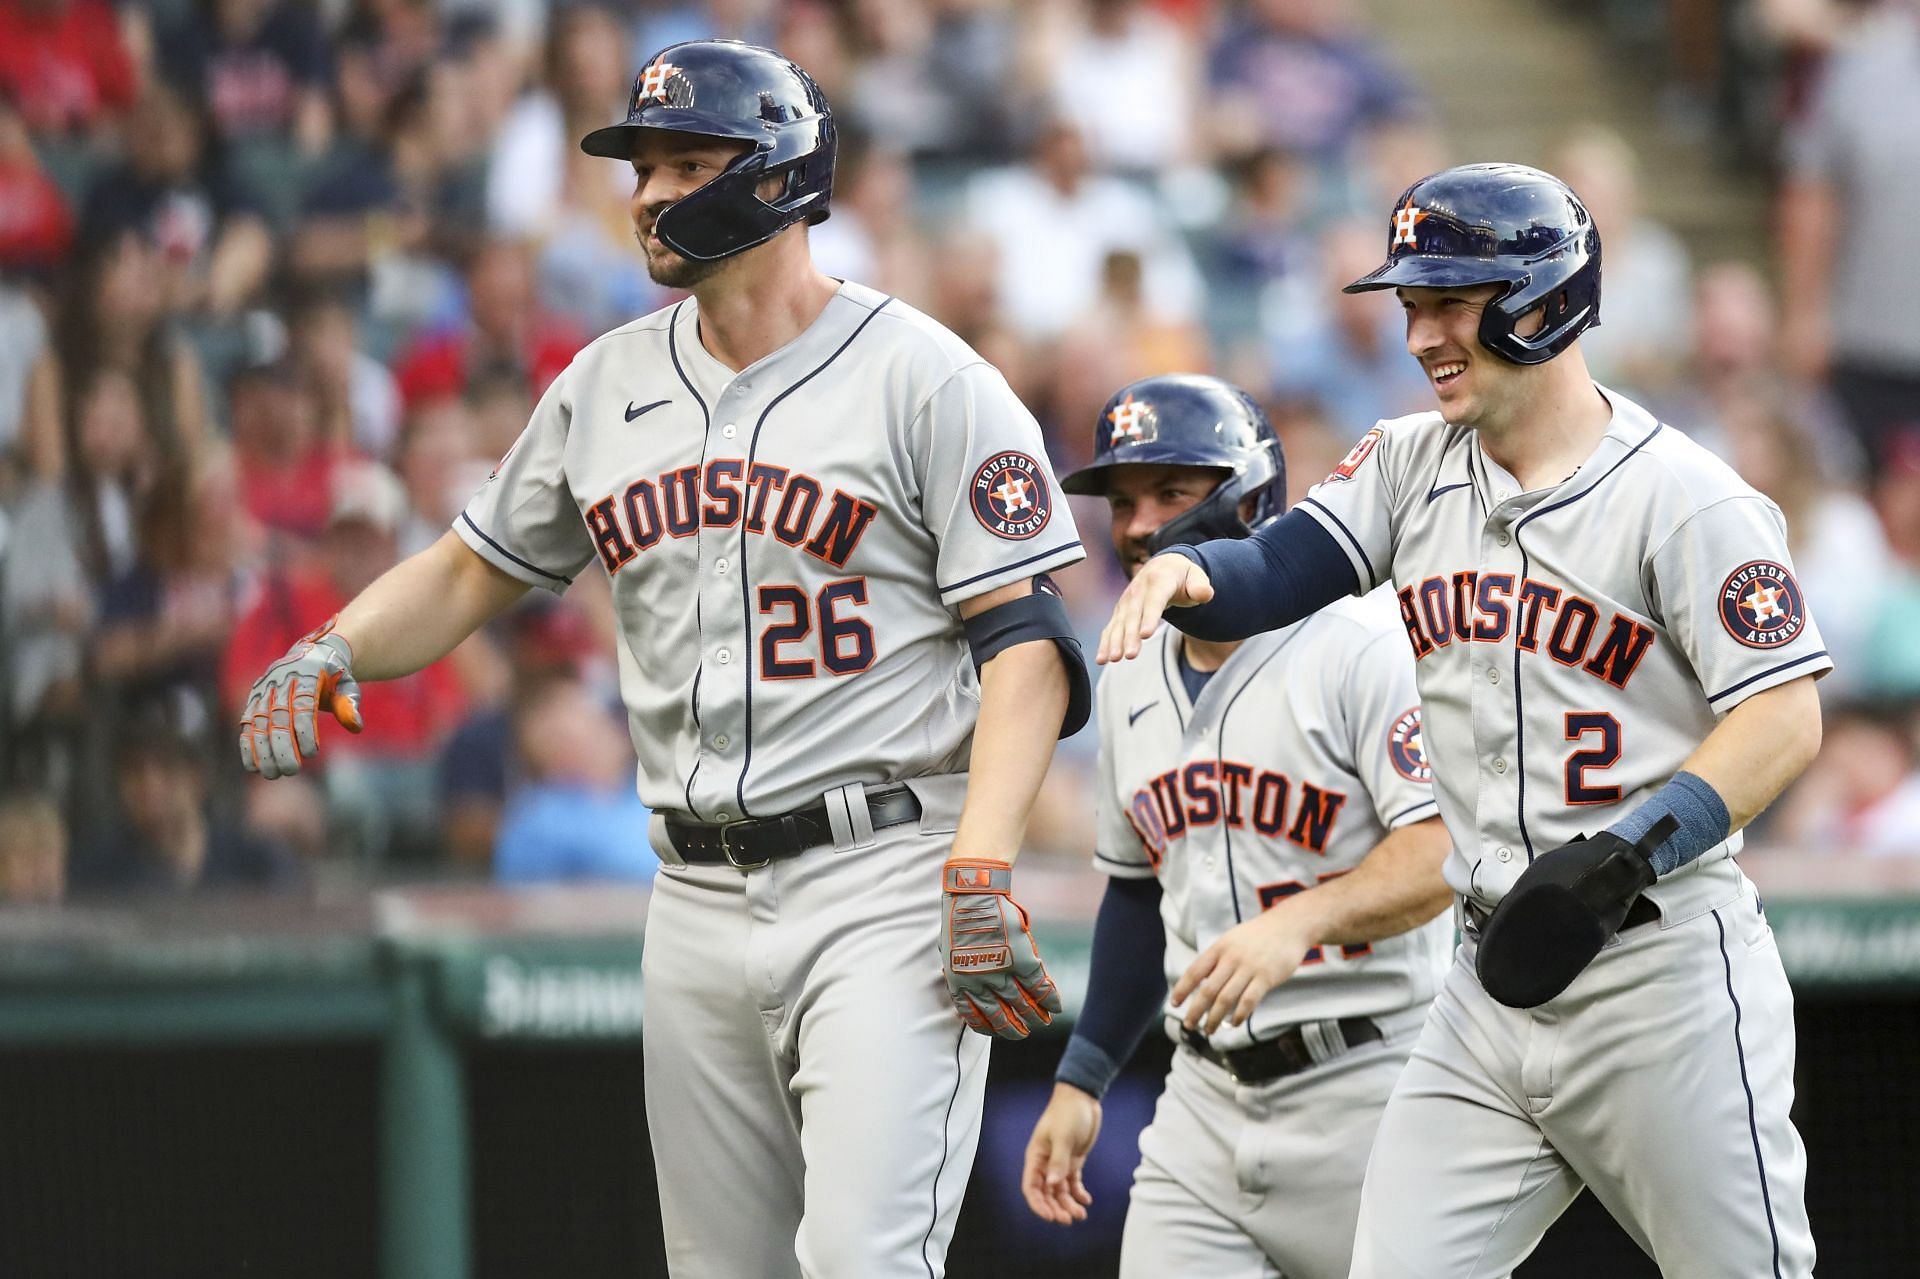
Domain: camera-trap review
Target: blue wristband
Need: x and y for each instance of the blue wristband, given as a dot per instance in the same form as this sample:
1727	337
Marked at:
1087	1067
1702	814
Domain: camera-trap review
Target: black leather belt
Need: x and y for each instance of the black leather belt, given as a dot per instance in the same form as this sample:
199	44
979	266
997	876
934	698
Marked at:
1643	911
1288	1053
753	842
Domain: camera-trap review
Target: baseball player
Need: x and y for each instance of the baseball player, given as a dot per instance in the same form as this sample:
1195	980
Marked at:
824	518
1270	801
1617	670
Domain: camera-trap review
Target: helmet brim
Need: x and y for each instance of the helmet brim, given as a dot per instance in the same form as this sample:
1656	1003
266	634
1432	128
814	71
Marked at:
615	141
1091	481
1432	271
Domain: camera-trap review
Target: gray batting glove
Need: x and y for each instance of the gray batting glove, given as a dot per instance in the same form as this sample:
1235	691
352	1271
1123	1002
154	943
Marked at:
279	727
994	972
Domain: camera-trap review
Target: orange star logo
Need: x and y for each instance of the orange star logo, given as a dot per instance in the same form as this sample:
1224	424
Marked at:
1404	221
653	84
1128	418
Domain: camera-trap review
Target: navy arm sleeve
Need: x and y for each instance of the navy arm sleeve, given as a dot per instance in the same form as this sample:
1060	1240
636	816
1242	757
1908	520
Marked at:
1286	571
1125	990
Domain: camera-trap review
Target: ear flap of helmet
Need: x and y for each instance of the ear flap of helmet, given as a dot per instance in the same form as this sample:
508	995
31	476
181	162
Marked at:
727	215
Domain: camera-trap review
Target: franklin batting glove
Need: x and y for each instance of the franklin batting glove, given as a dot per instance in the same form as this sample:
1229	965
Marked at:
279	728
994	973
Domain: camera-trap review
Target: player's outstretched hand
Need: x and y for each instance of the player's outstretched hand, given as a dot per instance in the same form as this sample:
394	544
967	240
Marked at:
1057	1154
1228	979
279	728
1167	581
994	973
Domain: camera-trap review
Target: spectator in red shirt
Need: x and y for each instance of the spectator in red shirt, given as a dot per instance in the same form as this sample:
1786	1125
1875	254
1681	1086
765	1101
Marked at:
64	62
380	783
35	227
506	330
286	462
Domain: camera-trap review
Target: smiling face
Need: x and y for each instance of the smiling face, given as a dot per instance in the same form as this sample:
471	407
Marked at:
668	167
1144	498
1475	387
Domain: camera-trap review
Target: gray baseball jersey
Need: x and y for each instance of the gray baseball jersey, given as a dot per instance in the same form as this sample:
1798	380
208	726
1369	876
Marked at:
787	545
1576	643
1302	752
1573	646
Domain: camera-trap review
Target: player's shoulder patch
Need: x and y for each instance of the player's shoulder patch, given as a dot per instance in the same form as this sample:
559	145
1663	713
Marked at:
1357	456
1406	747
1407	436
1761	605
1011	497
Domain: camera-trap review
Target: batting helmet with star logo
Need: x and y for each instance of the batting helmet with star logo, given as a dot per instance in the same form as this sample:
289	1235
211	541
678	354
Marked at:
1501	224
1190	419
730	89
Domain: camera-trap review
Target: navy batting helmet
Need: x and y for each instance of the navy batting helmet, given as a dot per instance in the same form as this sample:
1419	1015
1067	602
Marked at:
1499	224
1189	419
729	89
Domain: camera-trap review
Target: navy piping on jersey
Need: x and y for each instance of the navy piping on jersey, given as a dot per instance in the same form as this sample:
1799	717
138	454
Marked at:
1519	712
1425	803
1771	670
746	578
1166	676
1220	749
1008	568
958	1074
1373	578
531	568
1753	1126
1436	492
706	429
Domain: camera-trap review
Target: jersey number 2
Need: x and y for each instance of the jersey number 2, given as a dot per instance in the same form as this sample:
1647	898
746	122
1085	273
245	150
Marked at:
1606	729
846	643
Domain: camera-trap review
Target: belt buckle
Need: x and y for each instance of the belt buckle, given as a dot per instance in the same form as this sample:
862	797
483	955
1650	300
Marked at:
726	849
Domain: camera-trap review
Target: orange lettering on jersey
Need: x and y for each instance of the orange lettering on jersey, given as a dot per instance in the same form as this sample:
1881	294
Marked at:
724	494
1482	608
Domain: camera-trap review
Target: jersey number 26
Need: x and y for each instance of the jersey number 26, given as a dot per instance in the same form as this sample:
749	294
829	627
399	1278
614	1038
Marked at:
846	642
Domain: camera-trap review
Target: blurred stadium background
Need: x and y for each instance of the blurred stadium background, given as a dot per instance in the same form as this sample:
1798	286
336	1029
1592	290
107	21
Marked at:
279	281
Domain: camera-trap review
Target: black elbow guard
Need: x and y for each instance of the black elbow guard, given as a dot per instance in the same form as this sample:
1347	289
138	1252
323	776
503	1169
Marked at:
1039	616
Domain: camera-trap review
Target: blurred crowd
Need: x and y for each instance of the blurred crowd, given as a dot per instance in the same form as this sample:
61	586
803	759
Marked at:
280	280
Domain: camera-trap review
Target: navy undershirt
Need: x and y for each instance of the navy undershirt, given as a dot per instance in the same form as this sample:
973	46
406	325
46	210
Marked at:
1126	988
1193	679
1286	571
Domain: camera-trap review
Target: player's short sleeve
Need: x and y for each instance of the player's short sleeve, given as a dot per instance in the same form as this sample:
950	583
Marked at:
988	493
1355	505
524	520
1383	716
1724	586
1118	850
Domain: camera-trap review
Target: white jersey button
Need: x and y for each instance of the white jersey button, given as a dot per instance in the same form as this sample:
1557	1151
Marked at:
724	816
1504	854
1499	765
720	742
724	656
1506	539
1493	674
720	566
729	430
1502	496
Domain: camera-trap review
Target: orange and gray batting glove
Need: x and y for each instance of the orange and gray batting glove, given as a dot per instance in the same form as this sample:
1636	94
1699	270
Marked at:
279	728
994	973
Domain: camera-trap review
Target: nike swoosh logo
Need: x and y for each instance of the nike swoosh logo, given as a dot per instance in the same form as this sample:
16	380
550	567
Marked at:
1133	715
633	413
